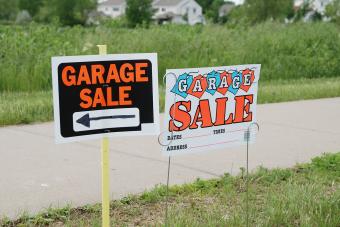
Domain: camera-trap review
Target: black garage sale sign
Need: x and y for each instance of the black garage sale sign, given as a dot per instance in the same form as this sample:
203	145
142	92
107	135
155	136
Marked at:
105	94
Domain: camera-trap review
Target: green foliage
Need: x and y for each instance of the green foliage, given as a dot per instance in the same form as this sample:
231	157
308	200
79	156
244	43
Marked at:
211	8
205	4
32	6
286	52
238	17
45	218
139	12
154	195
67	12
299	61
257	11
8	9
274	176
328	163
28	107
307	195
212	12
333	11
24	107
299	89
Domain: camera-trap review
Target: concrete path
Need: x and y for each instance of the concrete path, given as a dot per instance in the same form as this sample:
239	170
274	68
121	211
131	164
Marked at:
36	173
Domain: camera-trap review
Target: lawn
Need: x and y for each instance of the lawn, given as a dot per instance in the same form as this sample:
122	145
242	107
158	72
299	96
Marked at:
301	50
36	106
306	195
299	61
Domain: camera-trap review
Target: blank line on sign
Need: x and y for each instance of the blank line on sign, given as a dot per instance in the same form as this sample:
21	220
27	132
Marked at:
213	144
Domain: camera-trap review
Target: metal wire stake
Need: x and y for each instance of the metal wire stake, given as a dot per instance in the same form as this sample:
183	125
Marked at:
167	194
165	145
247	137
247	180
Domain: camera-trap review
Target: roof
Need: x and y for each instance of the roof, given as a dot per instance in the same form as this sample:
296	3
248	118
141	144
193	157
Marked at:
167	2
112	2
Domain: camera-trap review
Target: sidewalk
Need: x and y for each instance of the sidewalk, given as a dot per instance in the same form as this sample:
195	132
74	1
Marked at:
36	173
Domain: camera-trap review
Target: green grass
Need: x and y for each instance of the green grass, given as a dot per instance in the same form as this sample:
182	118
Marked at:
36	106
25	107
299	61
299	89
306	50
306	195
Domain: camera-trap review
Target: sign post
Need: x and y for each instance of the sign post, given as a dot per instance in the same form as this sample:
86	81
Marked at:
105	168
105	95
210	108
167	143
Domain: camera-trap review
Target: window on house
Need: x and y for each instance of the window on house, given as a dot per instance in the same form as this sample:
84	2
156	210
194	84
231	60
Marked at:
163	9
116	9
187	10
106	9
194	10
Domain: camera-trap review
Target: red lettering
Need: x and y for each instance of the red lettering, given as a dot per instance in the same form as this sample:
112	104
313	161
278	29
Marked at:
202	115
180	116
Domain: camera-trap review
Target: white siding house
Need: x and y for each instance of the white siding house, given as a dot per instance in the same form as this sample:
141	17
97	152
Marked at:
167	11
178	11
112	8
316	5
320	5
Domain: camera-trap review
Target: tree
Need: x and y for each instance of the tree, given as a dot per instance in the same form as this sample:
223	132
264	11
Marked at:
8	9
333	11
139	12
32	6
262	10
237	16
67	12
213	11
255	11
205	4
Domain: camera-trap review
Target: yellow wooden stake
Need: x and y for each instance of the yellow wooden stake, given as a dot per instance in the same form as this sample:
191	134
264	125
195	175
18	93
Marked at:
105	169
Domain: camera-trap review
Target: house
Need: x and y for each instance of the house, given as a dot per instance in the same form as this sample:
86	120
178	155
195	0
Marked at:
315	9
166	11
318	6
237	2
225	9
112	8
178	11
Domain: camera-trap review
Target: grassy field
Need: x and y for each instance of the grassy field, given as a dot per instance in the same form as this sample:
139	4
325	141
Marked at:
25	107
306	50
306	195
299	61
36	106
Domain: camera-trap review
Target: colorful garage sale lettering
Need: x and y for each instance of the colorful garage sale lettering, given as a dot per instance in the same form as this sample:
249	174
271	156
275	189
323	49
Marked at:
209	108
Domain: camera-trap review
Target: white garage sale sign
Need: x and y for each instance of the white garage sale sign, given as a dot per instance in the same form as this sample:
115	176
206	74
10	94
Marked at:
209	108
